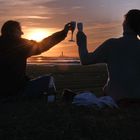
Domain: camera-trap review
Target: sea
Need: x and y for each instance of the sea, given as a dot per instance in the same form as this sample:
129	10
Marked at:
52	61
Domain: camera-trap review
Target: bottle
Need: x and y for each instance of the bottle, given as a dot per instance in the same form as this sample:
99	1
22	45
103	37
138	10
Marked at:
51	93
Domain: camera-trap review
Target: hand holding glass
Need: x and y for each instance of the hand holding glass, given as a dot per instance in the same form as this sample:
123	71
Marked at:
80	26
72	28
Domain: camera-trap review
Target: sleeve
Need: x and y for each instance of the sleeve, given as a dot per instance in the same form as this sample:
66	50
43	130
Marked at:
32	47
52	40
100	55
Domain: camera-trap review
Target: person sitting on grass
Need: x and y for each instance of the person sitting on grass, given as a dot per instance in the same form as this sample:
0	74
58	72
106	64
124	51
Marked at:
122	57
14	52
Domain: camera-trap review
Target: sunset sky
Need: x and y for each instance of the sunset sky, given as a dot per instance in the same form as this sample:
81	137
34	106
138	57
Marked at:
102	19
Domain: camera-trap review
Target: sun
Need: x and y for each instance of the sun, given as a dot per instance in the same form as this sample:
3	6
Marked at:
37	34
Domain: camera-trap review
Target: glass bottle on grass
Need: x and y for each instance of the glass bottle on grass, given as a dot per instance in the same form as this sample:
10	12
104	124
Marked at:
51	93
51	96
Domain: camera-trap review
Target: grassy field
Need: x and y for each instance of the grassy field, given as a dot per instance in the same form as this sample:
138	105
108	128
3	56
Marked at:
35	119
74	77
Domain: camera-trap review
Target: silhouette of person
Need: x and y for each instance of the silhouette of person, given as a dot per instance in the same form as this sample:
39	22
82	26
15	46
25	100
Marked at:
14	52
122	57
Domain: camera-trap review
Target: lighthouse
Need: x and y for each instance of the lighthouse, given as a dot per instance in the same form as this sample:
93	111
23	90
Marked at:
62	54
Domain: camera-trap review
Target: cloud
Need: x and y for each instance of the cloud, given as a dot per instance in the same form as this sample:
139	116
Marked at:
58	12
97	33
31	17
77	7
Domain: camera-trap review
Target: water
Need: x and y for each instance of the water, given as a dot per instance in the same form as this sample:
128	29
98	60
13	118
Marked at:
53	61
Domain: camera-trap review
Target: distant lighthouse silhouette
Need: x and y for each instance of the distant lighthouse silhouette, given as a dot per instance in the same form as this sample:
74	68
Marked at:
62	54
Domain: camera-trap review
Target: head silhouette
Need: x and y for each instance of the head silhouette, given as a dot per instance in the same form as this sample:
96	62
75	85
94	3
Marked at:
11	28
132	21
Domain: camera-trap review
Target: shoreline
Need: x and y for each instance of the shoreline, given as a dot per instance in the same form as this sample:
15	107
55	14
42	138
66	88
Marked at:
53	64
53	61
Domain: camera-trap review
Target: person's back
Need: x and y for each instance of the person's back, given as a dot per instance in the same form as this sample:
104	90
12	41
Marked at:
122	56
13	65
123	62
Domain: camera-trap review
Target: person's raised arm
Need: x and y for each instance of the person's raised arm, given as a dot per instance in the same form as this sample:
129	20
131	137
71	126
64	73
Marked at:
81	40
36	48
98	56
54	39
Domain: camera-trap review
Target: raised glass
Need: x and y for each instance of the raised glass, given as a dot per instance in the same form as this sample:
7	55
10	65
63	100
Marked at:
80	26
72	28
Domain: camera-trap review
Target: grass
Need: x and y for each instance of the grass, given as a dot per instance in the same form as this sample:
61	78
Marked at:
35	119
74	77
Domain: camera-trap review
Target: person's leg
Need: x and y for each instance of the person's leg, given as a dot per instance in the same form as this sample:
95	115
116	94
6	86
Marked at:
40	85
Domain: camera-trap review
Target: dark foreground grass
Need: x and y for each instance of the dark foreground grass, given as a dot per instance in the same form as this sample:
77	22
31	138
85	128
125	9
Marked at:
35	119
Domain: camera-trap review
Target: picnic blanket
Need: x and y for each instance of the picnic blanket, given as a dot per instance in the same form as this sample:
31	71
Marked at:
90	99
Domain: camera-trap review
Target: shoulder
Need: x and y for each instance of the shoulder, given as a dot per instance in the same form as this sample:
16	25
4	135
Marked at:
24	40
27	42
111	41
108	43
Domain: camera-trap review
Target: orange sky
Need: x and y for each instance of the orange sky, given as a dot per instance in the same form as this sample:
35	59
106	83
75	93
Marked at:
102	19
96	35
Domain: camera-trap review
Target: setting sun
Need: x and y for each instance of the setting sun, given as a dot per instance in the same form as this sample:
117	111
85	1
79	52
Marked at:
37	34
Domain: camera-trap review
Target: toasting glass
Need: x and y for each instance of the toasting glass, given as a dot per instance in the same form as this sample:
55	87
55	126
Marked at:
80	26
72	28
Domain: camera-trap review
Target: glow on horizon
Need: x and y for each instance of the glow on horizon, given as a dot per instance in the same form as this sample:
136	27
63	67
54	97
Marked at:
37	34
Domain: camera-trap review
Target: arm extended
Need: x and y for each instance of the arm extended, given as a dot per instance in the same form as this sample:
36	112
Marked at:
98	56
36	48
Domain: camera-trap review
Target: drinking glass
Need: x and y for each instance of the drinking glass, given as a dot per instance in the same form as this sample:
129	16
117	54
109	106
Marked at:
72	28
80	26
